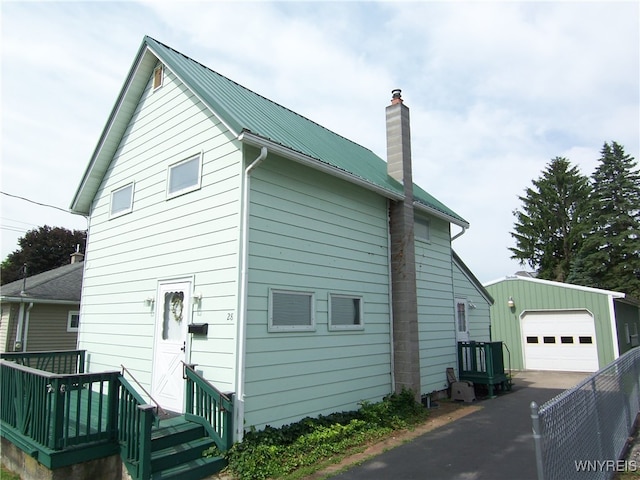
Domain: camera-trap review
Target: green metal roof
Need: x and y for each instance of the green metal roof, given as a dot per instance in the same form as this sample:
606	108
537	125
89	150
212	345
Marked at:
245	111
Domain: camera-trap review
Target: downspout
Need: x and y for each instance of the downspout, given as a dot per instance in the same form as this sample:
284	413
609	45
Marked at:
390	285
18	344
459	234
242	300
26	327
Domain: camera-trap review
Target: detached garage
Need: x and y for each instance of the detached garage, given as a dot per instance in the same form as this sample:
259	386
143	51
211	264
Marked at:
557	326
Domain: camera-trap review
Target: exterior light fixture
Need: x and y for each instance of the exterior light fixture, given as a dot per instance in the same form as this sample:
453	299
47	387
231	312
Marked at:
511	303
148	302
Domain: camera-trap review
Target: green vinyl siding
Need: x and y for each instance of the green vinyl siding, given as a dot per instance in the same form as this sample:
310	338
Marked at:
535	295
478	318
436	320
313	233
194	235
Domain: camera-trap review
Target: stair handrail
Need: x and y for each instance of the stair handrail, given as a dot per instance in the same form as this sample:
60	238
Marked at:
208	406
158	407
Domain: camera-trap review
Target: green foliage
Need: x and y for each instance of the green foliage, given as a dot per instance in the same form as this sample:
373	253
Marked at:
276	452
610	255
549	229
42	249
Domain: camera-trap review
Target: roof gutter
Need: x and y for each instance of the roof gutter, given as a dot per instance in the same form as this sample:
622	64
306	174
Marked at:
19	299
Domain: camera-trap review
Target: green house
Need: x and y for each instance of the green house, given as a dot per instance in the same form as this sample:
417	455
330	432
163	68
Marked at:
294	268
558	326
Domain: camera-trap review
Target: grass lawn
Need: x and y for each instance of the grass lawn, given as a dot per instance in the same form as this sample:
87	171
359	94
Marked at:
7	475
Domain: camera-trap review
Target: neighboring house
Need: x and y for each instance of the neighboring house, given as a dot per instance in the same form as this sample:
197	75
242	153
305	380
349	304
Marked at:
559	326
42	312
229	232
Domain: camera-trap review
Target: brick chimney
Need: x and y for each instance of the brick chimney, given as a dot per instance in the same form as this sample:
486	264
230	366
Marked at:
406	347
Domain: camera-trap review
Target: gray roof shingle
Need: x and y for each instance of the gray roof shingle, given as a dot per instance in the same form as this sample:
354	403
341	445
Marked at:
59	284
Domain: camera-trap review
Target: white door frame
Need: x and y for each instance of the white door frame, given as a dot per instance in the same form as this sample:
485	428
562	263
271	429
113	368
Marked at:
461	335
171	346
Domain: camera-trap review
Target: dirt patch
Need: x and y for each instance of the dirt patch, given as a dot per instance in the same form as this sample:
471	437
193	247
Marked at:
446	412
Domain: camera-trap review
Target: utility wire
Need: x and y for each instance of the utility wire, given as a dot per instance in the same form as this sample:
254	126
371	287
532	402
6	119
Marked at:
37	203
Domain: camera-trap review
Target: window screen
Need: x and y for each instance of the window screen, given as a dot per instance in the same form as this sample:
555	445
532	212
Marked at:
122	200
184	176
346	312
291	311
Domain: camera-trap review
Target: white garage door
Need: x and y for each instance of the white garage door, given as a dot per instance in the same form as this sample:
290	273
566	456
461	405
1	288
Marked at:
559	340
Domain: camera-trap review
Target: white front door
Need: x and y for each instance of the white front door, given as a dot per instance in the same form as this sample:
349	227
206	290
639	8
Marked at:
462	321
173	313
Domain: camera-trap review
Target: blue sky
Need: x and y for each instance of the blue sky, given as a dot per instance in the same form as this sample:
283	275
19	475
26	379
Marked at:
496	90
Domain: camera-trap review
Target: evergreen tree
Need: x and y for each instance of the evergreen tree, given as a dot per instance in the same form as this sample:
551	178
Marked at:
610	255
42	249
548	228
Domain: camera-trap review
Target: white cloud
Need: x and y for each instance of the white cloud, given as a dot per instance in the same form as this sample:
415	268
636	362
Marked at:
495	89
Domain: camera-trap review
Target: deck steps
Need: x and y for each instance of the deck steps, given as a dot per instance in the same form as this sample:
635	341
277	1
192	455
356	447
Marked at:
177	446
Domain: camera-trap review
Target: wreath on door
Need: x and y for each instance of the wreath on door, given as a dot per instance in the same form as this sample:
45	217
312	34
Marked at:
177	306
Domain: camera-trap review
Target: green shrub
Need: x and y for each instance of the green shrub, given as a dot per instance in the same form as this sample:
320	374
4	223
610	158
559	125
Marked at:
276	452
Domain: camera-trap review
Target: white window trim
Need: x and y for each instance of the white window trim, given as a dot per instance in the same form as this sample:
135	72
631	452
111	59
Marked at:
127	210
293	328
69	327
190	188
334	328
153	78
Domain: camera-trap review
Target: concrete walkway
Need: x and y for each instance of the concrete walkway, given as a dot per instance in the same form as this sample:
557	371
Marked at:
494	443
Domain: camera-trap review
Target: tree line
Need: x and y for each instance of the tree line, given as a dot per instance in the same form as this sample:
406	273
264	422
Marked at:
580	230
41	249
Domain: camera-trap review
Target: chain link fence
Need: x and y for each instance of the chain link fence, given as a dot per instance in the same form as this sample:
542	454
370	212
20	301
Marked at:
581	433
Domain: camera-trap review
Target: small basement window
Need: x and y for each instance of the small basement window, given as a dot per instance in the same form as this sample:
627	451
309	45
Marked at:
345	312
158	77
184	176
291	311
121	201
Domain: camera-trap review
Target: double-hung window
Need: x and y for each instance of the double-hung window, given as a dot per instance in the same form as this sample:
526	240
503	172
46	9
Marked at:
121	201
345	312
184	176
291	311
73	322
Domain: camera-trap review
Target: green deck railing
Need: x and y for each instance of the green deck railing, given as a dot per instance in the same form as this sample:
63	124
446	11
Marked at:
482	363
206	405
48	413
67	361
135	420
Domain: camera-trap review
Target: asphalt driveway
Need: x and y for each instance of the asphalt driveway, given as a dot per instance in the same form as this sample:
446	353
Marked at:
494	443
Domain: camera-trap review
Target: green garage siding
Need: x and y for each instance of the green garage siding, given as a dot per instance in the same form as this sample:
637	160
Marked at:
315	233
538	295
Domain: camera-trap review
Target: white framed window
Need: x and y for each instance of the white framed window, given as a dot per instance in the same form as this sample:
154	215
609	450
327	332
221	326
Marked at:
422	229
121	201
73	321
158	76
184	176
291	311
345	312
